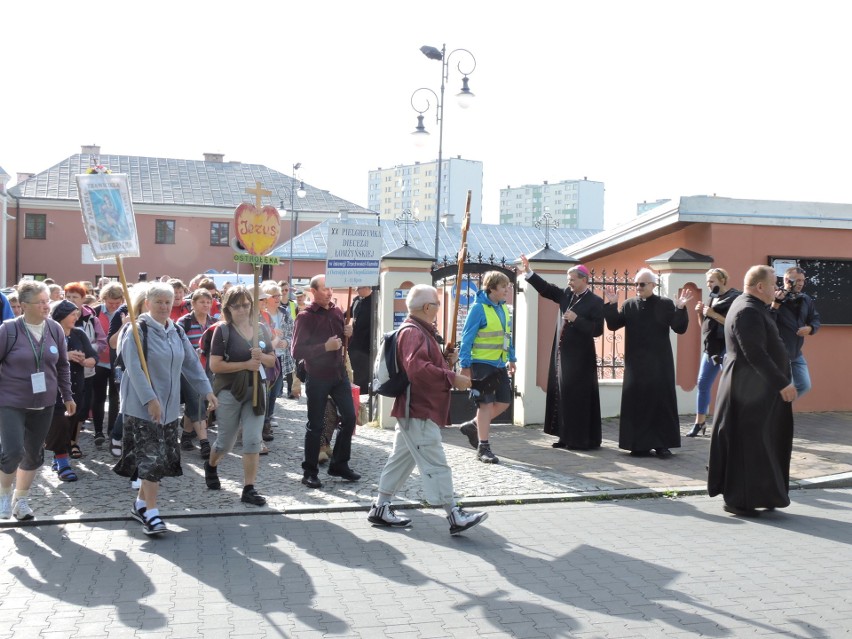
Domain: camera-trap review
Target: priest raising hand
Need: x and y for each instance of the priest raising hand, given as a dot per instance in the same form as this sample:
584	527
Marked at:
649	420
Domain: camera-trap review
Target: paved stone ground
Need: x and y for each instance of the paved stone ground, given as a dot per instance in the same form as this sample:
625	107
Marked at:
530	470
627	568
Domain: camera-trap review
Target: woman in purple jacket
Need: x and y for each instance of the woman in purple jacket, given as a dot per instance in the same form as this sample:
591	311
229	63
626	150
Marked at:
33	365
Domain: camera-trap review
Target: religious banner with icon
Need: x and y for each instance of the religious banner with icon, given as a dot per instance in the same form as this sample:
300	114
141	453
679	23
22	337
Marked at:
111	228
108	215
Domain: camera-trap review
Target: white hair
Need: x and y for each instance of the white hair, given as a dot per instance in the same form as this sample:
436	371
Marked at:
270	288
160	289
419	295
28	290
647	271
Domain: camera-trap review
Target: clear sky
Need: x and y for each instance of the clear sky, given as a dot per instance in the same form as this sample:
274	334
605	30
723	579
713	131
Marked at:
743	98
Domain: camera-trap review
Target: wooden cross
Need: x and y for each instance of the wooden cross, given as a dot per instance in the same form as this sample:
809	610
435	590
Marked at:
258	192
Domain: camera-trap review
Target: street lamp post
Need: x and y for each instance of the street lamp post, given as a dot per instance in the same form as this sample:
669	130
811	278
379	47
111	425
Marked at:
4	179
294	215
463	96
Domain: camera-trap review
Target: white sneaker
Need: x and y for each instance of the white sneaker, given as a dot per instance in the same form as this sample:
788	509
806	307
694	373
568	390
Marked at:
21	510
6	506
461	520
385	515
136	484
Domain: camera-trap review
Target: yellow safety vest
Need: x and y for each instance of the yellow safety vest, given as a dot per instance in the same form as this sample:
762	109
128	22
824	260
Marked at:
292	306
488	345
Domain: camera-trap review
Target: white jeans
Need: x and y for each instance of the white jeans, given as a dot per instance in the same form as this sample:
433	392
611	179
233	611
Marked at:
418	443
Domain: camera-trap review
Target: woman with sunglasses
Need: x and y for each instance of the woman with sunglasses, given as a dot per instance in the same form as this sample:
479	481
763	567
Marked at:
712	316
234	362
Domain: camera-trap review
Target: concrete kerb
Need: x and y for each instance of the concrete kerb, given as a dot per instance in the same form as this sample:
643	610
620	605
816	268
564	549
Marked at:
842	480
534	475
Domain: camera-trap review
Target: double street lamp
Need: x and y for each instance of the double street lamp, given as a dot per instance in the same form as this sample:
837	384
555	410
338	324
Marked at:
4	179
420	98
294	214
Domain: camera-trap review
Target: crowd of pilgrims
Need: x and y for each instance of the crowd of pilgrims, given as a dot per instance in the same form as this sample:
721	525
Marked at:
62	372
67	354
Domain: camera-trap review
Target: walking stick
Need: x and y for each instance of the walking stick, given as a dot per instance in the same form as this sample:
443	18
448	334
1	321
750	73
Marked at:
255	341
454	317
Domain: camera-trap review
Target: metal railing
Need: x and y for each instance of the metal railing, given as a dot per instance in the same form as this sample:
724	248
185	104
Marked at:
610	345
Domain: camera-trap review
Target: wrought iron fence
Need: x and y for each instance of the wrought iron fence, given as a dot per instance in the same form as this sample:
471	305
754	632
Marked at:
610	345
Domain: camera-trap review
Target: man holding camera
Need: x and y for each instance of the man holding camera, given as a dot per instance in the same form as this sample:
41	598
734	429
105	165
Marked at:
796	316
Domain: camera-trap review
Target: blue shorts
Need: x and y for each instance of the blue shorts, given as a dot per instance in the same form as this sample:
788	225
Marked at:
499	382
194	405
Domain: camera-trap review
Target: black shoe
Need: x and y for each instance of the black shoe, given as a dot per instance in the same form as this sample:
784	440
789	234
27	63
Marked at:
344	473
186	441
205	449
154	526
138	513
697	428
641	453
468	429
559	445
99	439
211	476
312	481
266	433
251	496
664	453
742	512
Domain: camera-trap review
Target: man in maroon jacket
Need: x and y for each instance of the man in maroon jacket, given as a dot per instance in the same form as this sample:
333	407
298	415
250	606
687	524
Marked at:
421	414
318	340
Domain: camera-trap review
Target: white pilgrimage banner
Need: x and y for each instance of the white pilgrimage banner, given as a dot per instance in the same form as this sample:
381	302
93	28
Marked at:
354	254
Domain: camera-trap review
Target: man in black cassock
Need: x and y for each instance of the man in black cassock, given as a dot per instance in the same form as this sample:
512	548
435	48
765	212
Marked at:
648	402
573	408
753	437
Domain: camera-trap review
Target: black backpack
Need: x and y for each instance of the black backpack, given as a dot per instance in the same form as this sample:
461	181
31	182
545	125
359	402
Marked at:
389	378
143	328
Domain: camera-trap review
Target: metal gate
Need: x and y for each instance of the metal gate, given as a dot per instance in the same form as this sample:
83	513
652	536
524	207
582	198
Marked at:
444	276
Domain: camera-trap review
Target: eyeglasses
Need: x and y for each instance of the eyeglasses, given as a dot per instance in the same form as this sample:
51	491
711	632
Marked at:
644	284
801	281
40	302
275	297
240	307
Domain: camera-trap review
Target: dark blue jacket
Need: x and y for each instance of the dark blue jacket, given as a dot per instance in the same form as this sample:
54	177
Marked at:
5	309
792	315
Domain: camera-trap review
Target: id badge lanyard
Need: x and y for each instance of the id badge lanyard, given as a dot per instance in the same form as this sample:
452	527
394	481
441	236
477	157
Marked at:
37	379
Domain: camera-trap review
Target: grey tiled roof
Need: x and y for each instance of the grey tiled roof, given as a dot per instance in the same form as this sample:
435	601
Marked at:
499	241
182	182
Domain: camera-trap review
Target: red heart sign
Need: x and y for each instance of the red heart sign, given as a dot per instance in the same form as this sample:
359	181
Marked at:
257	231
